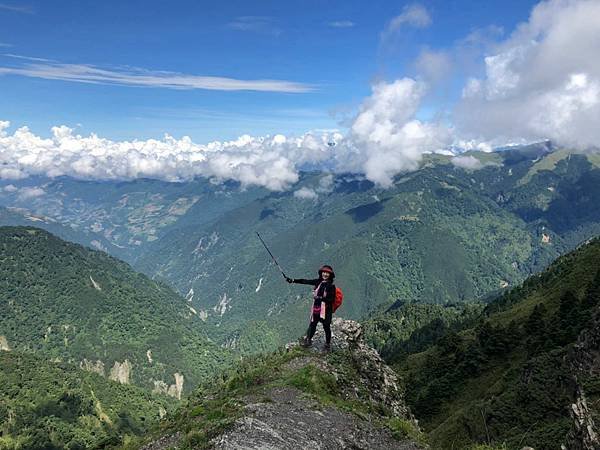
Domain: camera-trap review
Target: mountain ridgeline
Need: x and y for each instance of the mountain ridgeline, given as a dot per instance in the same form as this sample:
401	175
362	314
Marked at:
68	303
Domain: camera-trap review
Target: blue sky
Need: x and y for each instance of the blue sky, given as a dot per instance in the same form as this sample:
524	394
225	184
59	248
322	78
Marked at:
329	52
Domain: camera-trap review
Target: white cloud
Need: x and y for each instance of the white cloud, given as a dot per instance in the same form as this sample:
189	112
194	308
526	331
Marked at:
306	194
83	73
384	140
325	186
461	145
467	162
10	188
543	82
434	65
27	193
18	9
414	15
251	161
390	138
341	24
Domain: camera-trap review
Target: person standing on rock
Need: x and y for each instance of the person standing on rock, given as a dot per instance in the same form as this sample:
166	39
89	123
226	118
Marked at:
322	308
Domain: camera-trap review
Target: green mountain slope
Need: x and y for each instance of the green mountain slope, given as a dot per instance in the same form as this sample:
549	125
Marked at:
411	327
440	235
50	405
510	378
66	302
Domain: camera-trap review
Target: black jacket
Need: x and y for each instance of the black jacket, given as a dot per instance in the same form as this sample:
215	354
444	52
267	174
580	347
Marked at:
328	287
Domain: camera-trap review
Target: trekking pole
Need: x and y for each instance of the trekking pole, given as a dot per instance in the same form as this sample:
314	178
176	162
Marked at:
274	260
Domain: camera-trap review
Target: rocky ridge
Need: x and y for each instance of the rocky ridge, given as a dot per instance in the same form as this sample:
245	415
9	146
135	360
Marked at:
302	398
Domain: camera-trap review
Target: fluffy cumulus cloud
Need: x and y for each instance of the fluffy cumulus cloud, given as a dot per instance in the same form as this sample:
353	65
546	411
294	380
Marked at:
10	188
415	15
306	193
390	138
543	82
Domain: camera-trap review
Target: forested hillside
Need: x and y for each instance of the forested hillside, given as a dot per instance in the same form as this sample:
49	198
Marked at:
54	405
511	377
65	302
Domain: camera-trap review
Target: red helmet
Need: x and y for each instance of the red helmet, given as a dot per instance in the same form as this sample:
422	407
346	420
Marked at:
327	269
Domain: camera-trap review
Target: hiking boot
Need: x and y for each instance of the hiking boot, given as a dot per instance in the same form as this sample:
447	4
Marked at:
305	342
327	347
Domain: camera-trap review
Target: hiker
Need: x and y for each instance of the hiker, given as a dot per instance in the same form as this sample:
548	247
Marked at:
322	310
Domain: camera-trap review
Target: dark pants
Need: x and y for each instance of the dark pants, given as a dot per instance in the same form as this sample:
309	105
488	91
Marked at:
312	327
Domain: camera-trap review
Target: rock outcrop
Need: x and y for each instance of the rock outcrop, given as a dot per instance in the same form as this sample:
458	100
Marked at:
174	390
90	366
289	420
4	344
121	372
284	417
584	360
377	380
344	399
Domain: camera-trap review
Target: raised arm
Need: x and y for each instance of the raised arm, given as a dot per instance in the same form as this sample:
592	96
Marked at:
302	281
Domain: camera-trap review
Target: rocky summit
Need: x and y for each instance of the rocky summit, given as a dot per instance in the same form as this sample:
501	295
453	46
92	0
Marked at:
301	398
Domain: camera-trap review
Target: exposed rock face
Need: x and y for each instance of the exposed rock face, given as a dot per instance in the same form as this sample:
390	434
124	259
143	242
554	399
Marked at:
4	344
289	420
584	360
174	390
583	435
121	371
377	378
95	284
90	366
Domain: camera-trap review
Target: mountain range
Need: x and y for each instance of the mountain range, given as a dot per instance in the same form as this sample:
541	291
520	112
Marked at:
453	271
458	229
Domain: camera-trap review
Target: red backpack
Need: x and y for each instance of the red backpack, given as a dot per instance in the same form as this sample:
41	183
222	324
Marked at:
339	298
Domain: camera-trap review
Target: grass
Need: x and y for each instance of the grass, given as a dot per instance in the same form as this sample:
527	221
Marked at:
403	429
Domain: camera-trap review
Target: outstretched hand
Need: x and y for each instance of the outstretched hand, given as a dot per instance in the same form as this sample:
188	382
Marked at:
289	280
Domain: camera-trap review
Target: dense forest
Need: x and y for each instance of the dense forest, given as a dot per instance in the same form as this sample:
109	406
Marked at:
506	378
69	303
54	405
